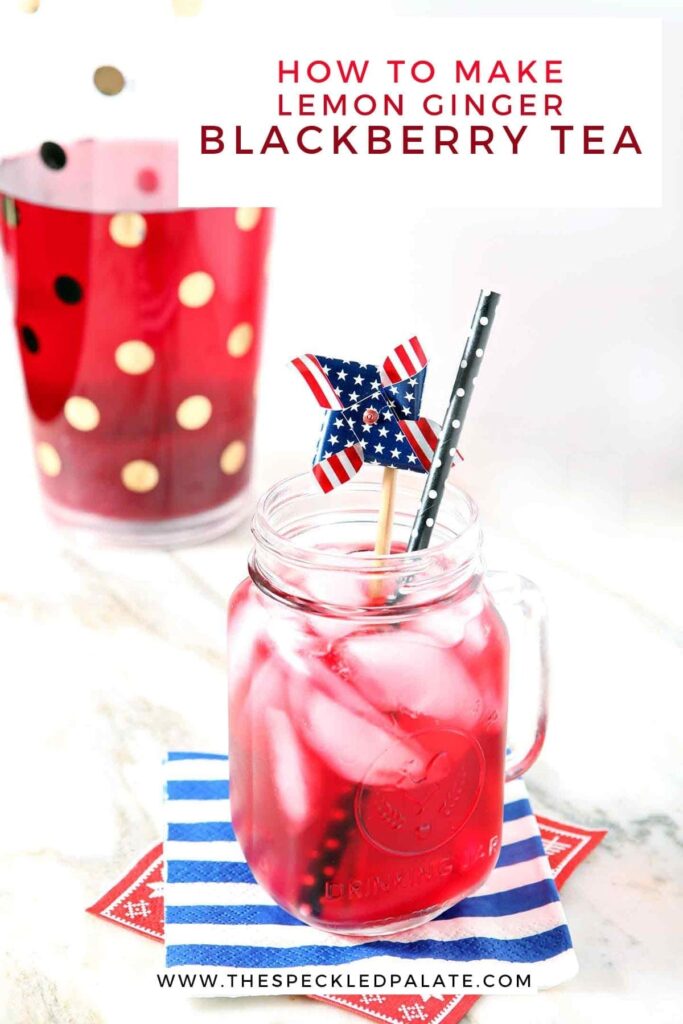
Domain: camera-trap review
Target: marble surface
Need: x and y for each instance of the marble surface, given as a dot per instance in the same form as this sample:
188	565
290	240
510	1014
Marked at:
112	657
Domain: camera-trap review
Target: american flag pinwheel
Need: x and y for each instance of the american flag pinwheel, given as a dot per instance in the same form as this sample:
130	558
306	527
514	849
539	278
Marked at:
372	414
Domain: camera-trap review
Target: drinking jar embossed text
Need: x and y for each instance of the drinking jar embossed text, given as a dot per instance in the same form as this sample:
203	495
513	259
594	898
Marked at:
368	706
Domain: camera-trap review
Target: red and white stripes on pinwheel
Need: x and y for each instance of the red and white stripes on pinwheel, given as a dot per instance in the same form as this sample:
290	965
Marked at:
338	468
318	381
422	436
405	361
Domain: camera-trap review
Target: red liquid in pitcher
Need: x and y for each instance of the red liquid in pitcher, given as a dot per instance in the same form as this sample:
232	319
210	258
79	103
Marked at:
367	758
139	333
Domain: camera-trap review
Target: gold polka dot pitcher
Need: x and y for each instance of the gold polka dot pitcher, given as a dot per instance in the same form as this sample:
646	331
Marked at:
139	327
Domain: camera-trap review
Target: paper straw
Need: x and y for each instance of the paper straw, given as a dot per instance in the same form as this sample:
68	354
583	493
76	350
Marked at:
454	419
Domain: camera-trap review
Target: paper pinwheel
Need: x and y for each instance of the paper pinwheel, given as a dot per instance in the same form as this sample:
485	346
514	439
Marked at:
372	414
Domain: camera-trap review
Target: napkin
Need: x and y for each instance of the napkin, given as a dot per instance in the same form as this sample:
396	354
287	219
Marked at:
218	916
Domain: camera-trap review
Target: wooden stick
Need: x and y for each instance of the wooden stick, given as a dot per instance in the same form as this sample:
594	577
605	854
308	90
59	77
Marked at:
386	512
385	522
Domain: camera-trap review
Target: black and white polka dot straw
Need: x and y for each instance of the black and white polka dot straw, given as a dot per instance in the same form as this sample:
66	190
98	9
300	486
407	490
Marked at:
453	421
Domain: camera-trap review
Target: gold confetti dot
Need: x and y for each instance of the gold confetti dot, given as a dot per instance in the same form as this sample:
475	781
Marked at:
48	459
240	339
128	229
187	8
81	413
194	412
196	289
109	80
247	217
140	476
9	212
29	6
233	457
134	357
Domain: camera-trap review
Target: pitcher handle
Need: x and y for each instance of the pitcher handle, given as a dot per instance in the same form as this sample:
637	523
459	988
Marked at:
523	611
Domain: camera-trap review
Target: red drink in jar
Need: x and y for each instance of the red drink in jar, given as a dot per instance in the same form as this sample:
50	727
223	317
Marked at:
367	737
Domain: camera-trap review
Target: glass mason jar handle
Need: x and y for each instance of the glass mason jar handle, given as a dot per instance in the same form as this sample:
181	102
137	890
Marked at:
522	609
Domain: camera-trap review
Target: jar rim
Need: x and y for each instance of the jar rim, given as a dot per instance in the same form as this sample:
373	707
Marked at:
458	547
26	180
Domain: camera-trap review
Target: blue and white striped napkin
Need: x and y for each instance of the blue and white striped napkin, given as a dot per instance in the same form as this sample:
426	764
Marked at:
218	916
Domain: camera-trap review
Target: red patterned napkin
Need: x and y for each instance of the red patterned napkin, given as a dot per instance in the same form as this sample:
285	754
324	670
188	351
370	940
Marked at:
136	902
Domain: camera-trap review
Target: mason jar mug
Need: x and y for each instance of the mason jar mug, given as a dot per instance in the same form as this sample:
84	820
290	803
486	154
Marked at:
369	706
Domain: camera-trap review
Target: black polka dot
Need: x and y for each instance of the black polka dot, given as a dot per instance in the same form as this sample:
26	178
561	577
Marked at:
53	156
30	340
68	289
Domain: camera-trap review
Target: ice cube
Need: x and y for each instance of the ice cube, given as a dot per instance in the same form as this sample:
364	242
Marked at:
348	590
292	640
479	629
334	587
330	629
446	625
402	670
268	690
351	744
324	675
245	655
293	778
